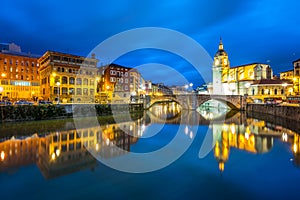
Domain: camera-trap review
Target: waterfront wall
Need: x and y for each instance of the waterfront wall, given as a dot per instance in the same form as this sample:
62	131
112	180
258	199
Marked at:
42	112
284	111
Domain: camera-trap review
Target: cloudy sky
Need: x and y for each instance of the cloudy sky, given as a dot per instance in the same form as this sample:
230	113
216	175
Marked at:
264	31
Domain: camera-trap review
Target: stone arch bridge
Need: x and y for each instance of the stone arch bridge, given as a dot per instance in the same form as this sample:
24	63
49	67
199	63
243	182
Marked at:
193	101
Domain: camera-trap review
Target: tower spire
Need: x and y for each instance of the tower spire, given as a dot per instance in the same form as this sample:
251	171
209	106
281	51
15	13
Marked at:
221	44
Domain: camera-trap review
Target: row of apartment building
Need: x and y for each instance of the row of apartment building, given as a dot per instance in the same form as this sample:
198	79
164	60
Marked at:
67	78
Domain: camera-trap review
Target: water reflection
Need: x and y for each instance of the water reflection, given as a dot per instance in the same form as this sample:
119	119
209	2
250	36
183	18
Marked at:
63	152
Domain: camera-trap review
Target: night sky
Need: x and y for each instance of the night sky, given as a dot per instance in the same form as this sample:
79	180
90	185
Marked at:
264	31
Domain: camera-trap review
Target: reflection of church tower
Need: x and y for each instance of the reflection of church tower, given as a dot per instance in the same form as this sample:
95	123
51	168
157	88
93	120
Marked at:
220	70
222	146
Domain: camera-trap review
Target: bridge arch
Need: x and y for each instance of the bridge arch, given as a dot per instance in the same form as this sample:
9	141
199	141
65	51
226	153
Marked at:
193	101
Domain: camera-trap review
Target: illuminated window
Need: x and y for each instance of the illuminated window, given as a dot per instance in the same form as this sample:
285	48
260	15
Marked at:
78	91
72	80
64	90
92	91
85	91
64	80
78	81
85	81
71	91
92	82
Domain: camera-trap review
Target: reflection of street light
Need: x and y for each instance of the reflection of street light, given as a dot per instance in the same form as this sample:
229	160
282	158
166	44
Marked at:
58	84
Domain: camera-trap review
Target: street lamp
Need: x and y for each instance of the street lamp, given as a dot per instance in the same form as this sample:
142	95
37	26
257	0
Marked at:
58	84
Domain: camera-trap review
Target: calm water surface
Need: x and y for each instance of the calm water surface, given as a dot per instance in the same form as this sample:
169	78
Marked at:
249	159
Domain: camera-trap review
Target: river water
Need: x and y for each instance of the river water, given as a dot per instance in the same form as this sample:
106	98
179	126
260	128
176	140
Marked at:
167	153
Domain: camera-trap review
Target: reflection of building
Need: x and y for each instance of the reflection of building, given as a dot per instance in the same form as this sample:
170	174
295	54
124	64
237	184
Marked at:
228	136
19	78
66	152
16	152
68	78
69	151
255	79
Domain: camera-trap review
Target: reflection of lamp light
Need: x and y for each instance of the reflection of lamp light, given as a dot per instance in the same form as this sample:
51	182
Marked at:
284	137
57	152
2	155
53	156
97	147
295	148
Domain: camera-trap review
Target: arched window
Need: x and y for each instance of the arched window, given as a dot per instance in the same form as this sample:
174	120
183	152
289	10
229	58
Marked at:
64	80
85	81
78	81
275	91
71	80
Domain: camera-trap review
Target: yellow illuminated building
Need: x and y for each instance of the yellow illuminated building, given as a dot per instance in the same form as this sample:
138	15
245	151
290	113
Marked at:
68	78
19	78
255	79
293	76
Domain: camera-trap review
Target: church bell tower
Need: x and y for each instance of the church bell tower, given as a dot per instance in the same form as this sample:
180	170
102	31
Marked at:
220	71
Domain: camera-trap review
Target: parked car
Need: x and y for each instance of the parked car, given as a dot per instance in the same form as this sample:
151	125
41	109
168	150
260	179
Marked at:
5	103
23	102
42	102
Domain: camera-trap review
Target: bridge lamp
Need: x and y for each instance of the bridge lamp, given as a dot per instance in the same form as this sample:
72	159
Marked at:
191	84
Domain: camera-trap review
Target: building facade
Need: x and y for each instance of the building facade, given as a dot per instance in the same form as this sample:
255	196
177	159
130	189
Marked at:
19	77
68	78
118	84
254	79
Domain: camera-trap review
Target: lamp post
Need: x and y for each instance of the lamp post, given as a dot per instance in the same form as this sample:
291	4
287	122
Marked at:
58	84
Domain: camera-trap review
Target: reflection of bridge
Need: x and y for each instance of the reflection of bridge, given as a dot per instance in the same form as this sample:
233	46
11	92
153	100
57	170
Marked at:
193	101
